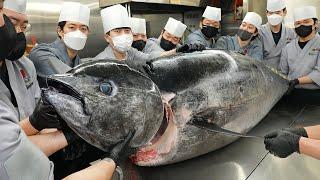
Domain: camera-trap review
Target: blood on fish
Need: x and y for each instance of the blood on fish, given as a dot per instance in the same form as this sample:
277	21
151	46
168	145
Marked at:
143	156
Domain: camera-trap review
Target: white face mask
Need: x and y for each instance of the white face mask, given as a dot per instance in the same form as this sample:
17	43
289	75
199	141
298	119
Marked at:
275	19
75	40
123	42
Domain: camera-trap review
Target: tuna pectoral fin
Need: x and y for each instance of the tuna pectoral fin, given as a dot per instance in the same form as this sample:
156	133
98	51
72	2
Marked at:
204	124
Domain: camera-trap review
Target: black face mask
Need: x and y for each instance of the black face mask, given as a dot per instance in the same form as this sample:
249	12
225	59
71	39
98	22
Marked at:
244	35
304	31
8	38
140	44
167	45
209	31
20	47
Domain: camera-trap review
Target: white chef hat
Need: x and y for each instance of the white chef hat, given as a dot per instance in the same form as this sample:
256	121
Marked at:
253	18
305	12
276	5
138	25
175	27
73	11
212	13
115	16
18	6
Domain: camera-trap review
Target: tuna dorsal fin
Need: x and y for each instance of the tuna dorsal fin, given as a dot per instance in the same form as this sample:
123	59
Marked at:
204	124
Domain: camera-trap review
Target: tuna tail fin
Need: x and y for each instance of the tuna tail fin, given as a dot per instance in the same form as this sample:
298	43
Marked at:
204	124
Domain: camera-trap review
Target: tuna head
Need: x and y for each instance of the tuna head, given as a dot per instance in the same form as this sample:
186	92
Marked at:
103	100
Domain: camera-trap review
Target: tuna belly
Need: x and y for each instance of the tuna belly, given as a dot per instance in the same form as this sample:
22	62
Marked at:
193	141
162	143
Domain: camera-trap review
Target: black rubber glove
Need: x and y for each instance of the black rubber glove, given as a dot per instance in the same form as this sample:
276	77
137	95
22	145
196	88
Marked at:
75	150
44	116
70	136
139	65
76	146
118	150
298	131
189	48
292	85
282	143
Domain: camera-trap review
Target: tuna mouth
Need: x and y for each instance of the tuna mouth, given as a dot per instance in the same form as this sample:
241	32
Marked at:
63	88
161	144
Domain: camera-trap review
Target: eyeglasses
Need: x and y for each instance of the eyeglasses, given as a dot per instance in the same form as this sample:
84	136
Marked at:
170	37
26	27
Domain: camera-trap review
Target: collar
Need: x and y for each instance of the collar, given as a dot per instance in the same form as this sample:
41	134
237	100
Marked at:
62	48
110	53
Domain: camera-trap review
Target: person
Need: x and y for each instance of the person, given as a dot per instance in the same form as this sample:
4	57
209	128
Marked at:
20	78
140	39
63	54
170	38
247	41
17	72
118	34
16	150
275	36
300	59
18	75
139	32
304	140
209	28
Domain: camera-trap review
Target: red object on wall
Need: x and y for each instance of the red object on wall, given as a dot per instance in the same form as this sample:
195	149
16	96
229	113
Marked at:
239	3
33	42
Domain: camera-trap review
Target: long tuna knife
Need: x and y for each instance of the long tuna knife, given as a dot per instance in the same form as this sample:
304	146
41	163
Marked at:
215	128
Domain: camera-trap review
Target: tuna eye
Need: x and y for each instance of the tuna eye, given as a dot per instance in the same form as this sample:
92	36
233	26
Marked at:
106	88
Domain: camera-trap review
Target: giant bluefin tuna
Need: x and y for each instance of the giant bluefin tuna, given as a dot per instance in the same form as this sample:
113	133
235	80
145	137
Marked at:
221	87
102	101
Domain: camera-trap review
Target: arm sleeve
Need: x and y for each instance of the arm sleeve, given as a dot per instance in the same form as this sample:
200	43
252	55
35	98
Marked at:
221	43
283	65
257	51
315	73
264	55
193	39
138	60
36	87
9	137
16	151
152	48
142	57
47	63
9	129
